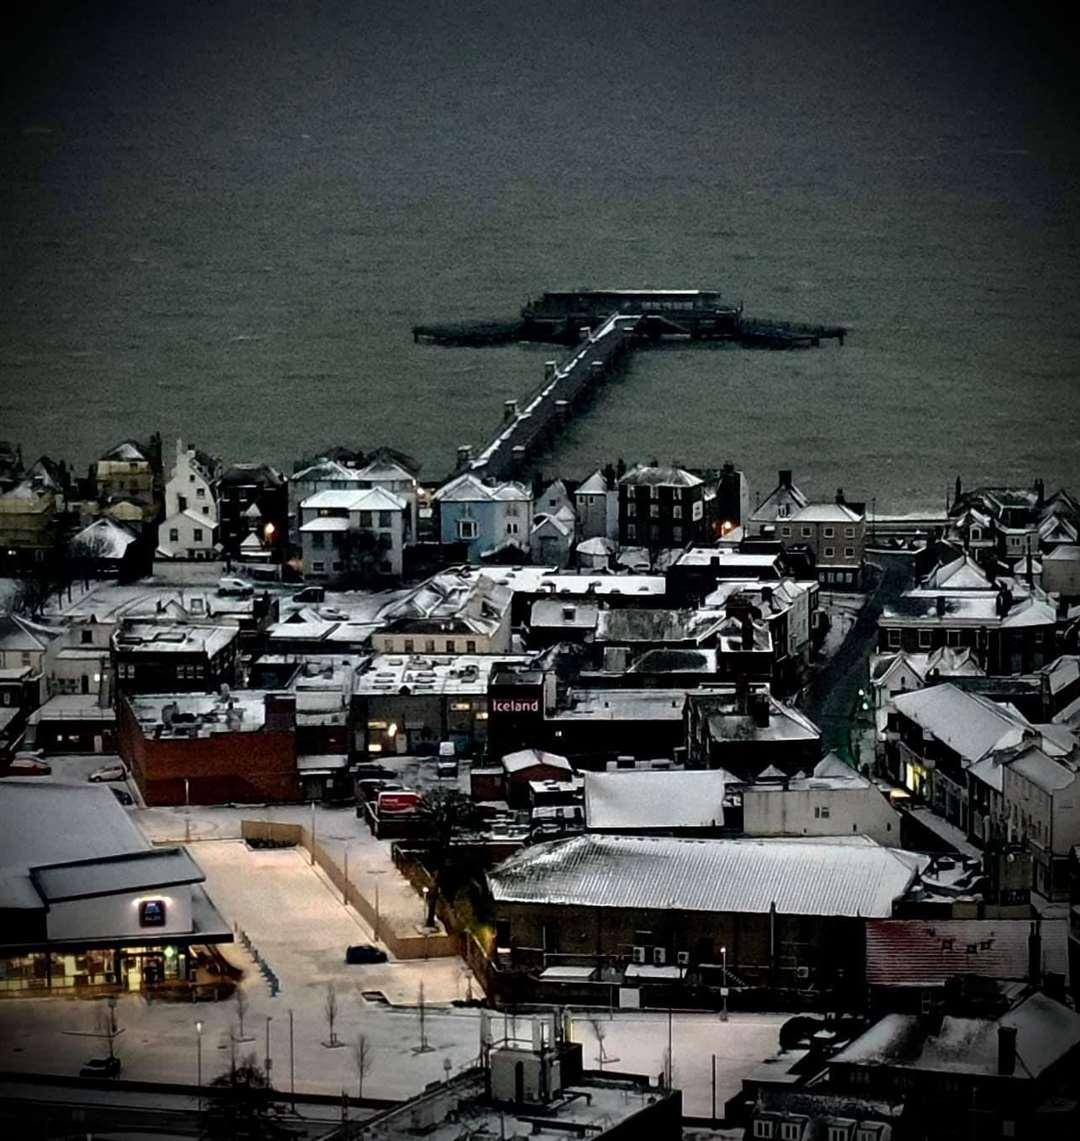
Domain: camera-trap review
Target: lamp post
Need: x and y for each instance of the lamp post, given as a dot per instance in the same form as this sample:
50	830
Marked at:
198	1058
269	1058
292	1067
724	986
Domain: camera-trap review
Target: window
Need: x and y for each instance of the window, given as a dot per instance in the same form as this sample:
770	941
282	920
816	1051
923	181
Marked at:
26	657
676	511
385	519
429	646
318	568
654	492
790	1130
451	646
821	812
763	1128
511	528
318	540
654	510
894	639
829	532
200	493
925	639
206	510
631	532
631	510
849	532
335	566
408	645
830	552
785	532
174	534
676	534
783	511
196	535
849	552
470	646
976	534
806	532
365	518
839	1133
512	508
181	502
86	637
467	529
952	637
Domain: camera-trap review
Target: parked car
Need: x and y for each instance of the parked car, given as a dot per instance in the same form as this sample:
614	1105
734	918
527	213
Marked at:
108	772
310	594
364	953
123	796
101	1068
28	767
237	587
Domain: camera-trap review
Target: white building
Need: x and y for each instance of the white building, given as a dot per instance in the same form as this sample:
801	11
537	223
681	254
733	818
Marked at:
190	527
388	474
597	507
332	526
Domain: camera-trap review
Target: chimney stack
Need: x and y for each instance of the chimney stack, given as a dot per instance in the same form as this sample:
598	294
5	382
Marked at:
840	496
785	478
1006	1050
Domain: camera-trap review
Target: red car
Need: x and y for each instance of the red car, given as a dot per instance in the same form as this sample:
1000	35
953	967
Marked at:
28	767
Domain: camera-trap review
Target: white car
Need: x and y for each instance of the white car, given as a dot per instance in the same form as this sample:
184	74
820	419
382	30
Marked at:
235	586
108	773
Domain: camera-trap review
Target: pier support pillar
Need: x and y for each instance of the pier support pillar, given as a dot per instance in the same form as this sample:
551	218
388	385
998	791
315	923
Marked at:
510	409
549	369
584	333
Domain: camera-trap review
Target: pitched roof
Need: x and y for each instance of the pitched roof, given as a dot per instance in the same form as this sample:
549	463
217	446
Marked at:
596	484
530	758
824	513
129	451
104	539
746	876
644	475
968	724
963	573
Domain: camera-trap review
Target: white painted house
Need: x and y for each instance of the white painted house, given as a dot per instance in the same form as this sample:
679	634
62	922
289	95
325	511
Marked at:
190	527
329	521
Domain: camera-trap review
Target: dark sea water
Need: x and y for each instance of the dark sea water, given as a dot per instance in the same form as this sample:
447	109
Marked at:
221	219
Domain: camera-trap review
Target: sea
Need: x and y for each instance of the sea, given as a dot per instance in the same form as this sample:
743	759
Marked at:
220	220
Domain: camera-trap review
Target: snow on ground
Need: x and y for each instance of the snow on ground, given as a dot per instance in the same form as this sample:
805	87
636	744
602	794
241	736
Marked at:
843	611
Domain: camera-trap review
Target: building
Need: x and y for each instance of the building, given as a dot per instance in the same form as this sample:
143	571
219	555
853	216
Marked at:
532	1086
460	611
483	518
778	506
106	548
833	800
88	905
238	747
596	503
599	915
174	657
324	474
395	473
661	508
409	704
747	731
656	802
835	535
128	474
353	534
698	571
253	499
190	527
29	522
551	541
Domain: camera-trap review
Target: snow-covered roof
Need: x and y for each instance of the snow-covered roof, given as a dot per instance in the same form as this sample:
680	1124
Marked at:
596	484
528	758
967	723
963	573
644	475
103	539
128	871
127	452
1043	771
469	488
326	523
824	513
658	799
743	876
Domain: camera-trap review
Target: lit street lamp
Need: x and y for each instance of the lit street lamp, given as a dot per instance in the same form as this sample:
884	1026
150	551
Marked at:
724	986
198	1058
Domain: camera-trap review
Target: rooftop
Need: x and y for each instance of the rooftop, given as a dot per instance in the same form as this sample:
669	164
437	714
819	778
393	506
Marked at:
968	724
150	638
654	800
748	876
465	674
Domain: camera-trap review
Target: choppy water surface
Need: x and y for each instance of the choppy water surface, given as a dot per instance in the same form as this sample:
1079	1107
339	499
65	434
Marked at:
222	220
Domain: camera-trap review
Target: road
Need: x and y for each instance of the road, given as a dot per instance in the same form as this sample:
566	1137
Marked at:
835	688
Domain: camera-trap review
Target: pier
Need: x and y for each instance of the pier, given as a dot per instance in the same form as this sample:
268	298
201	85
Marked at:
602	325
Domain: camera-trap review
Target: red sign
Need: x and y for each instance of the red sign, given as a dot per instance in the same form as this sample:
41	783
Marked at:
515	705
389	802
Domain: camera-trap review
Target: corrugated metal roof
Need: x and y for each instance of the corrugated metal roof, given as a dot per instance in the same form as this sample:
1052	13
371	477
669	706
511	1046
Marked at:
918	951
747	876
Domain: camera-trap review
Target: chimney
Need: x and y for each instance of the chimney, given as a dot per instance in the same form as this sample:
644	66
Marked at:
747	627
760	710
939	604
1030	568
1006	1050
785	478
1040	493
840	496
464	454
742	692
766	596
549	370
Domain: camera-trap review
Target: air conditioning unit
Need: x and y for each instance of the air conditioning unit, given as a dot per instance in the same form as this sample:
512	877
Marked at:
802	972
639	955
659	956
682	958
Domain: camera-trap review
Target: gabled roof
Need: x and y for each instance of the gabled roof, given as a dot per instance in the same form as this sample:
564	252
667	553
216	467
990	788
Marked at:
530	758
386	469
963	573
968	724
129	451
824	513
326	471
596	484
103	539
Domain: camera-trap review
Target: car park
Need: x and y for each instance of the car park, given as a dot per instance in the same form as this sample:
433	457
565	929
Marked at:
101	1068
237	587
29	767
364	953
122	795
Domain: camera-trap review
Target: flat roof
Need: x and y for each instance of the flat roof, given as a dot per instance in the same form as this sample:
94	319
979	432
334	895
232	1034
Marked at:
129	871
654	799
464	674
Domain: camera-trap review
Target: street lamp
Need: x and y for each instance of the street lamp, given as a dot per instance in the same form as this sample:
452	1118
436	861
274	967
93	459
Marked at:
724	986
198	1058
269	1059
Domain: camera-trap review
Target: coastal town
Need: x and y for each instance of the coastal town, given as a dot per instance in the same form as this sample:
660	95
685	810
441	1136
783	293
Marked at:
644	803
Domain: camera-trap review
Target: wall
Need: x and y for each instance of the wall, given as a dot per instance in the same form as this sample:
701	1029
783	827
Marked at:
115	916
221	768
798	812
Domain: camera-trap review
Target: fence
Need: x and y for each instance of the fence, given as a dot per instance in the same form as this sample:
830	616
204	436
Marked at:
403	944
267	971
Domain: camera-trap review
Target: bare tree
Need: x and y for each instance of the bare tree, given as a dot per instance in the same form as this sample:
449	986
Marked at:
421	1007
330	1009
448	813
242	1002
600	1033
361	1052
